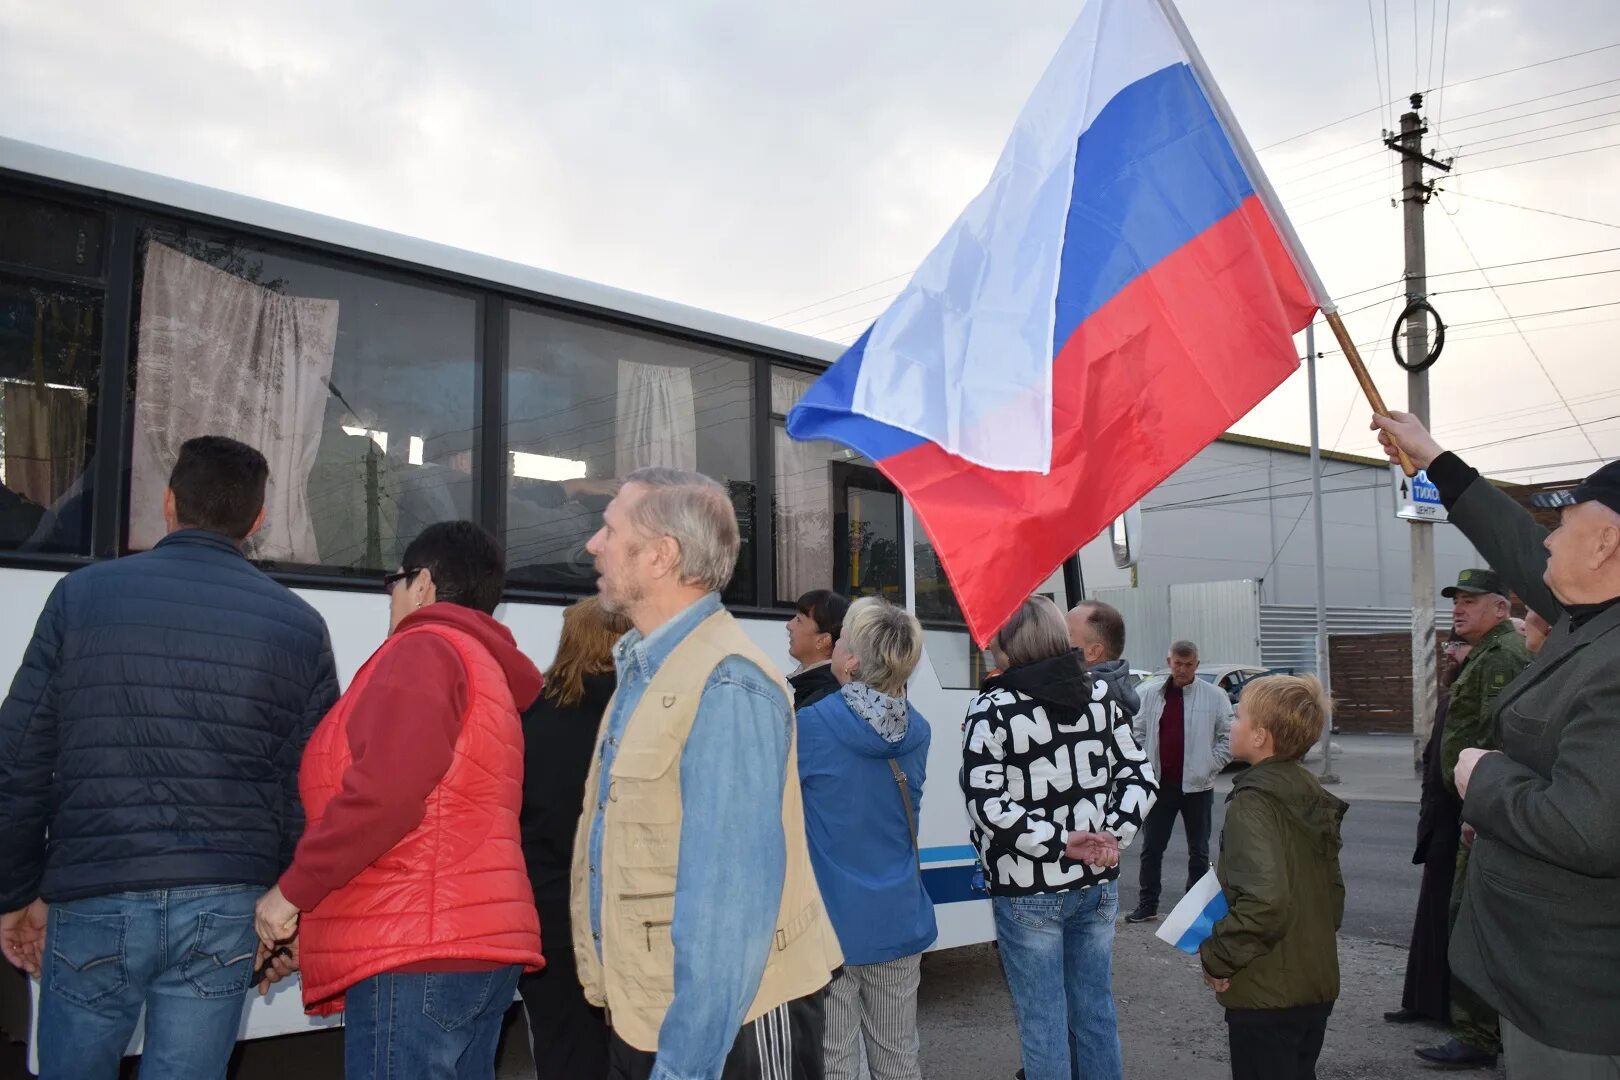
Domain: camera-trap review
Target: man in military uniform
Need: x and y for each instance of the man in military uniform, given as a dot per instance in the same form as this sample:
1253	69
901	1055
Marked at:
1480	616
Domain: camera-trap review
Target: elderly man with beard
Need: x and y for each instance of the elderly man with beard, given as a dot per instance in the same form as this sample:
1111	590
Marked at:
1538	936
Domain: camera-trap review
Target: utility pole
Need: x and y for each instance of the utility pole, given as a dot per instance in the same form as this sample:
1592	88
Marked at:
1415	194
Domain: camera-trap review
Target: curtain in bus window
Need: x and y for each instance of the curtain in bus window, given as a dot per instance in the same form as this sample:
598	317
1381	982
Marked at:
656	421
222	356
803	502
44	438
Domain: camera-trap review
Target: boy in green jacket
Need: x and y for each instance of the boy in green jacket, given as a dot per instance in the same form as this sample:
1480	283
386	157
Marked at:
1273	960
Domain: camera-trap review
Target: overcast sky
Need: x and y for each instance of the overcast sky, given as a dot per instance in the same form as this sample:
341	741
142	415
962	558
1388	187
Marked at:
761	160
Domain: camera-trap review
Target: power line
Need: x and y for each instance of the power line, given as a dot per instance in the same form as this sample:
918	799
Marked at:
1530	281
1542	97
1527	67
1440	100
1380	107
1534	160
1434	8
1548	138
840	296
1389	79
1534	355
1537	210
1536	112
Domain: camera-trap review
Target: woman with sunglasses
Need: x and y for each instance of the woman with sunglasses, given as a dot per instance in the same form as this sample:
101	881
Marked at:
417	916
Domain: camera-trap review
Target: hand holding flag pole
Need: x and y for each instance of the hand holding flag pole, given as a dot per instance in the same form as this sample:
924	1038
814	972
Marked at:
1374	398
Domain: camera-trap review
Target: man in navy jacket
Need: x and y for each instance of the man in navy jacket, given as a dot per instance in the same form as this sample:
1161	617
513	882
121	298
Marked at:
149	751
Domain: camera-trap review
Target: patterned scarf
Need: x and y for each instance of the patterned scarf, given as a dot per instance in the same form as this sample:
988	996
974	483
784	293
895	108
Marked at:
889	716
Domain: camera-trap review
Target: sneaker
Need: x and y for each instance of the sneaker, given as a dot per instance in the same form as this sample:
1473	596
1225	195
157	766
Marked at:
1403	1015
1455	1054
1143	913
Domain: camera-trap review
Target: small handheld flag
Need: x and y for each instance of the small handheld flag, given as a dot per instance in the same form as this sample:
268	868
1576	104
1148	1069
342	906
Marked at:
1194	919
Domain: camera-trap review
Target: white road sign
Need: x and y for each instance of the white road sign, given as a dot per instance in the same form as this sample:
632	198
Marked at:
1416	498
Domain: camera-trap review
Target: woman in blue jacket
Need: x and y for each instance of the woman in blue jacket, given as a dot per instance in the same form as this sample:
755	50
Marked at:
863	755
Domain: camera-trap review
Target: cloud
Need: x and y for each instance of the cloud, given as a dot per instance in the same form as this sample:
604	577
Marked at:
753	159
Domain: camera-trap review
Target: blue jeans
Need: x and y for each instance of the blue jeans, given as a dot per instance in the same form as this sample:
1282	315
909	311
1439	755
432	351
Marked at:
186	954
433	1026
1057	950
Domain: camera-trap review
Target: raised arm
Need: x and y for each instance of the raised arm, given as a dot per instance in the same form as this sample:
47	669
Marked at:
1503	531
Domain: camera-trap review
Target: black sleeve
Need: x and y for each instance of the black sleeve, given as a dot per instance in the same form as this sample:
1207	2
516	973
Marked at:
1452	475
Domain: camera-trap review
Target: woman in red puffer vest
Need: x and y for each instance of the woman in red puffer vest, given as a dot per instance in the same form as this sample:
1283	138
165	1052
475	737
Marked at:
408	892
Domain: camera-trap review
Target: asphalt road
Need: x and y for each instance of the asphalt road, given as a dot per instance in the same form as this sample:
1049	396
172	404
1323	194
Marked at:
1380	882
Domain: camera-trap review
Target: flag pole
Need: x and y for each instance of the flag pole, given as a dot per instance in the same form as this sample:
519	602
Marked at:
1365	379
1279	216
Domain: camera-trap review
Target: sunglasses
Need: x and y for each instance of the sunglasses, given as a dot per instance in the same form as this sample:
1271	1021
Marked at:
405	575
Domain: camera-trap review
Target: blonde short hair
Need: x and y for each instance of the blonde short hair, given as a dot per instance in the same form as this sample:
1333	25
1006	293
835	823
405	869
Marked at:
886	640
1036	631
1293	708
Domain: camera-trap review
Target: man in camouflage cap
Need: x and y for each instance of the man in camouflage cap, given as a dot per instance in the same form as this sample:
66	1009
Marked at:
1480	616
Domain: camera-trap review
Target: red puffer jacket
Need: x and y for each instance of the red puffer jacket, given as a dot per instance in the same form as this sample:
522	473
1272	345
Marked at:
455	888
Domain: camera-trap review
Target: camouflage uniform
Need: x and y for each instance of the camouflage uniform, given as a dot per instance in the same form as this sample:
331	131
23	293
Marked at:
1494	662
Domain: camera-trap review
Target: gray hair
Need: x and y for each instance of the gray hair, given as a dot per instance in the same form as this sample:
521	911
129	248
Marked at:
696	512
1185	650
886	640
1036	631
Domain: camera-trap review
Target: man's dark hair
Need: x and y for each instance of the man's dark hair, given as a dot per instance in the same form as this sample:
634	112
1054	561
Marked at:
1109	626
467	565
825	608
218	485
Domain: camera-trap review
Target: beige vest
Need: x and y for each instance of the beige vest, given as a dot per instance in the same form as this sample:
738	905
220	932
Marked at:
635	975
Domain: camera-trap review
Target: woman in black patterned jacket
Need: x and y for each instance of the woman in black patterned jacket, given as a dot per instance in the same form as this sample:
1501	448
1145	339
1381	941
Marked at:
1048	752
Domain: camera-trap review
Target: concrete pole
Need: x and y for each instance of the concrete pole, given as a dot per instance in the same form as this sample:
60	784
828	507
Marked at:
1322	671
1414	196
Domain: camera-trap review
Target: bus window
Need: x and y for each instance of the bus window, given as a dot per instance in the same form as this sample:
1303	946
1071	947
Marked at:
960	663
588	403
51	290
357	388
836	520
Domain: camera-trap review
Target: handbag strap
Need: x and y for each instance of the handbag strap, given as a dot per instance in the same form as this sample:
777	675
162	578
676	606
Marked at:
905	801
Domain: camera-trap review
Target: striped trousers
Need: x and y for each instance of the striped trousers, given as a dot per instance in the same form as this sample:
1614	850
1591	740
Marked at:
784	1044
879	1002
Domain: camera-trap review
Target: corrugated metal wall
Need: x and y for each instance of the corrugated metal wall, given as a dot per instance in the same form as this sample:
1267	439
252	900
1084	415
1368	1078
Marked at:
1230	625
1221	617
1288	632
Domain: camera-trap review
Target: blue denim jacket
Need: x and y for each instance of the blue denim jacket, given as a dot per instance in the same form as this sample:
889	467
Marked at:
733	857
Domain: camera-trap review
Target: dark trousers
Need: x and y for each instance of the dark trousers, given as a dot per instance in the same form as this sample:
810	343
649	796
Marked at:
1276	1044
1428	973
786	1043
567	1034
1195	809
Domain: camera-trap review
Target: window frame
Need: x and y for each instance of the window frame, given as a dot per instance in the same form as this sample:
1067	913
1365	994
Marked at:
127	219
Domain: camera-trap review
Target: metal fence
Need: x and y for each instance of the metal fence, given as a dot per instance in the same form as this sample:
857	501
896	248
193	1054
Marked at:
1288	631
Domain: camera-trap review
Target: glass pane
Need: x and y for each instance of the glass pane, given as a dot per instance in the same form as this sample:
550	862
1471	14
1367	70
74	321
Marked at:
359	390
589	402
959	662
787	387
837	522
45	235
50	366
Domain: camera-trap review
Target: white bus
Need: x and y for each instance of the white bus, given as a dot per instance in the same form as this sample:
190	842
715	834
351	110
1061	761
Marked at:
392	383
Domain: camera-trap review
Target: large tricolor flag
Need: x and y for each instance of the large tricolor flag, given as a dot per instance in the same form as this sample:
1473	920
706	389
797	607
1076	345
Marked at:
1122	291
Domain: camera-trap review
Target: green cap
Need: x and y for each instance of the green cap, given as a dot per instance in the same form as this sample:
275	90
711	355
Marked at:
1476	581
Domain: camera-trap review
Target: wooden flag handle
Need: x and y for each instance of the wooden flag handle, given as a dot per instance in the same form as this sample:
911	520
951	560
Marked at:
1373	396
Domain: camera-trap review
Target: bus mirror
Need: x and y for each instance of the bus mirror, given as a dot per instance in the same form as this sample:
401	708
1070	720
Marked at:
1126	536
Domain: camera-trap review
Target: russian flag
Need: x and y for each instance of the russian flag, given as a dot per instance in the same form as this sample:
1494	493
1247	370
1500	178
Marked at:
1193	920
1123	290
